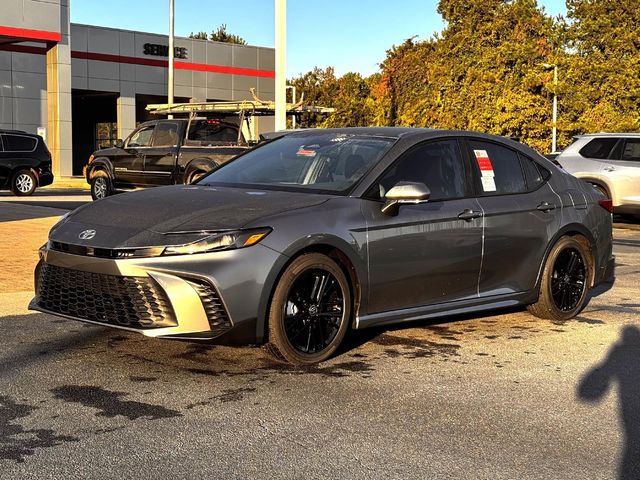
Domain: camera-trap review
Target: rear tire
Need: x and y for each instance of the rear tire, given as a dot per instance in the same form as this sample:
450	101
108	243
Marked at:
24	183
100	185
194	176
564	286
600	189
310	311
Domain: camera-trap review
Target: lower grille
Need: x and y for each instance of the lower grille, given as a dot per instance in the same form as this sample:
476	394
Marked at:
219	321
136	302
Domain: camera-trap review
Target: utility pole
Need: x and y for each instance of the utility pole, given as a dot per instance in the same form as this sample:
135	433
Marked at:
281	74
554	135
554	144
293	100
171	55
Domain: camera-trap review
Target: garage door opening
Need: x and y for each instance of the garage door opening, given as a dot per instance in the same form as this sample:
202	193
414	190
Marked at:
94	124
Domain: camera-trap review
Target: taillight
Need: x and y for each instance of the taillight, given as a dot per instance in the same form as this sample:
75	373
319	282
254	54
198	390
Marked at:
607	204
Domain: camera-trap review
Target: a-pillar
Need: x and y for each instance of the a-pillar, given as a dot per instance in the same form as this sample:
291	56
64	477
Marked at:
59	130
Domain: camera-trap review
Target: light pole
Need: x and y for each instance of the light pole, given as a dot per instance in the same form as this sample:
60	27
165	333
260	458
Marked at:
171	54
293	100
281	78
554	141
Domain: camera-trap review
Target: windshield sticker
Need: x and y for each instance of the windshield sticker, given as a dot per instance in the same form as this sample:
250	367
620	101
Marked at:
488	184
305	152
484	162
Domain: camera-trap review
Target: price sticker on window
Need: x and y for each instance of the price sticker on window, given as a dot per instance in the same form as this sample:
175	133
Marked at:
484	162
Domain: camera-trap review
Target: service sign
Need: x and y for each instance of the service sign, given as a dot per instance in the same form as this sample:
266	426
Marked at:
158	50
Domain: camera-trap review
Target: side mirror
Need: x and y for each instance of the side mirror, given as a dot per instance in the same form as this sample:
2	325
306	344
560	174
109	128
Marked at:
119	143
404	193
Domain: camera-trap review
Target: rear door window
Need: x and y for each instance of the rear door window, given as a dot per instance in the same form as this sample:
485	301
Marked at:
18	143
599	148
498	167
165	134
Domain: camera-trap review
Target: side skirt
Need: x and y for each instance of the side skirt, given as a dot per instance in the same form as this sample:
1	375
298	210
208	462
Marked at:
445	309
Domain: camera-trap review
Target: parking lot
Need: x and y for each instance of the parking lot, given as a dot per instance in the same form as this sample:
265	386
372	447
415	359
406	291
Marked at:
499	396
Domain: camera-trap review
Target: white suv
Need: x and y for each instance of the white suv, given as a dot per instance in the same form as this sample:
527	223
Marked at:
611	163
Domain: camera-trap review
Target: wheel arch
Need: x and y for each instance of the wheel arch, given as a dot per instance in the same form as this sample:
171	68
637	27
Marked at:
604	183
204	164
100	163
570	230
333	247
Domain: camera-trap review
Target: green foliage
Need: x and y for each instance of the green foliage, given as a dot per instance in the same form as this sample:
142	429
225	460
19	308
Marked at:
199	35
485	72
219	35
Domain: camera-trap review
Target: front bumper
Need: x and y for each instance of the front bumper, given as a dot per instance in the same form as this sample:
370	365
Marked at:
204	296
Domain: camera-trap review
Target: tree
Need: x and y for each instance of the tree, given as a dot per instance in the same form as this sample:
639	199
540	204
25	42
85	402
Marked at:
221	35
199	35
601	80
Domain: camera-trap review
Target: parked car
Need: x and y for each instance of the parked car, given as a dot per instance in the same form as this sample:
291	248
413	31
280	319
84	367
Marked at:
25	162
611	163
163	152
305	236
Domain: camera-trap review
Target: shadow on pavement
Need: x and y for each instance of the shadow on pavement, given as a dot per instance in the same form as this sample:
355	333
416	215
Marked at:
621	365
12	212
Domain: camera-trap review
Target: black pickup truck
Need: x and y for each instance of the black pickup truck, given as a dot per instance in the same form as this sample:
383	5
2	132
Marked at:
163	152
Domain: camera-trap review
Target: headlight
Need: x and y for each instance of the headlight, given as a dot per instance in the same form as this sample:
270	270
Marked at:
220	241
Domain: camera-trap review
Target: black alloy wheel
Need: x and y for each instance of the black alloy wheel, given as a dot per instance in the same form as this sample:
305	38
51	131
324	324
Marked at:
313	311
568	279
310	310
565	280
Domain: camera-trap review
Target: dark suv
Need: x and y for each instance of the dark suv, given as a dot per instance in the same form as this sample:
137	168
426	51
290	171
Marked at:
25	162
163	152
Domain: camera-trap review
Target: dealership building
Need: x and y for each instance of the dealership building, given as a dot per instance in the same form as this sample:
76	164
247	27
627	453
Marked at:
82	87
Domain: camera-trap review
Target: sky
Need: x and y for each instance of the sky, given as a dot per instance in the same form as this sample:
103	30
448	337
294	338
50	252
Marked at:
350	35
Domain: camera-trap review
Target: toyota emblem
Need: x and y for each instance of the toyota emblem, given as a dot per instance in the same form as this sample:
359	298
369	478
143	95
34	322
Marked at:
87	235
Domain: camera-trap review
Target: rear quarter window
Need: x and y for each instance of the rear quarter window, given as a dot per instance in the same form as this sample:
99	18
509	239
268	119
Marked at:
18	143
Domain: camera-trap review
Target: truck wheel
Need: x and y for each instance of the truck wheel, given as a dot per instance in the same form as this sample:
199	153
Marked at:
24	183
100	185
310	311
194	176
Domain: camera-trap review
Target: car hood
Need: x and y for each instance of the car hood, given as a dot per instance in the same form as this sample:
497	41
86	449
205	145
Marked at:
146	218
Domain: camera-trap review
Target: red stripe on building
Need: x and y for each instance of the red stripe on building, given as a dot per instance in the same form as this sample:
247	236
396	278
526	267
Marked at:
201	67
149	62
8	47
29	34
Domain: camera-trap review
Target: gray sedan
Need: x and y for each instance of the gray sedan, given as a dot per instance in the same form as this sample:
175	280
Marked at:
317	232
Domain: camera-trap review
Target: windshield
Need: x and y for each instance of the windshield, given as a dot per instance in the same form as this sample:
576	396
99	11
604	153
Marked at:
319	162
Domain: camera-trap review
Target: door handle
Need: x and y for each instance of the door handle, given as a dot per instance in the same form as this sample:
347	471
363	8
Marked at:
469	215
609	169
546	206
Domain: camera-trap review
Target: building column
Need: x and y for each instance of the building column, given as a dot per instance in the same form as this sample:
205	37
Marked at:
59	129
126	115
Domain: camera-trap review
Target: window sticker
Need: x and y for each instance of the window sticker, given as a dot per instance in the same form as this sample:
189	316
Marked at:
488	184
305	152
484	162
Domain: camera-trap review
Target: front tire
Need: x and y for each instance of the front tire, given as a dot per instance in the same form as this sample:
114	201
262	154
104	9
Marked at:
100	185
310	311
24	183
564	286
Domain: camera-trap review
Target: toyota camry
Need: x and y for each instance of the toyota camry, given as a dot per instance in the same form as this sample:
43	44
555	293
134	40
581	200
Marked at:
317	232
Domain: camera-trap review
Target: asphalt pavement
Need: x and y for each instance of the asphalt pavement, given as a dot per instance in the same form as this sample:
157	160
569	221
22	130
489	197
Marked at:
497	396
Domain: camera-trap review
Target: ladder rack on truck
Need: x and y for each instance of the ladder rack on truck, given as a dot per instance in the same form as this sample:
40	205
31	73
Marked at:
241	108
